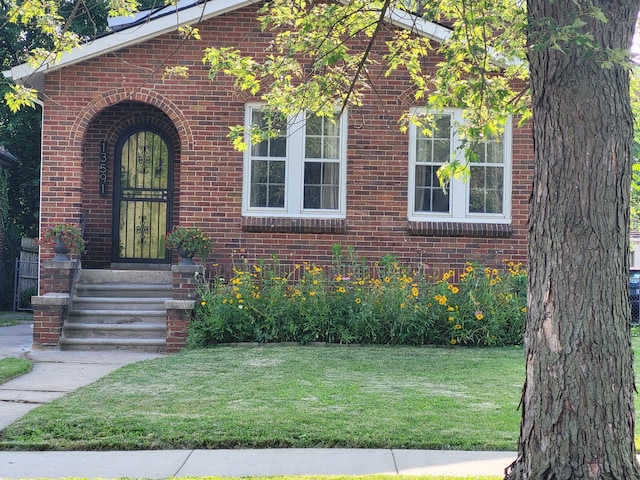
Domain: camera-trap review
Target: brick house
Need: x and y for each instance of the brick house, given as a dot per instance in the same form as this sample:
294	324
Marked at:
141	154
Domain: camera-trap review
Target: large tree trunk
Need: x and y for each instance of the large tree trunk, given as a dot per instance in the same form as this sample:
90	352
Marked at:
577	404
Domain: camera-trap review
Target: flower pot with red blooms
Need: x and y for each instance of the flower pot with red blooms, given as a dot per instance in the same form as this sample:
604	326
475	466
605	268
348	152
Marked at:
65	238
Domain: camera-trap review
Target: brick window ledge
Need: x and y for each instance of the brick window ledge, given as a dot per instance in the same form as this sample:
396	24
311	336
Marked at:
455	229
293	225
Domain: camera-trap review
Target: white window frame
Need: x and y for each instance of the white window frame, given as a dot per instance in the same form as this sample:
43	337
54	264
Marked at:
294	172
459	189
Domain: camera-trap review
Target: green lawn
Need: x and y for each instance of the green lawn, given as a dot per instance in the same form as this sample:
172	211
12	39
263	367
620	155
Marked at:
13	367
8	319
290	396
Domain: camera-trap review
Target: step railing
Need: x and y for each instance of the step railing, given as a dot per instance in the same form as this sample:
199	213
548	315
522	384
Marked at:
77	267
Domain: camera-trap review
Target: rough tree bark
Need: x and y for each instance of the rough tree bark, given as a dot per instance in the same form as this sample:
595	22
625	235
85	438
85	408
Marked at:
577	403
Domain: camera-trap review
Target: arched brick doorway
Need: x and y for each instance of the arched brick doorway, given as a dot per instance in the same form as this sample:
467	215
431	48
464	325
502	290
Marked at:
130	182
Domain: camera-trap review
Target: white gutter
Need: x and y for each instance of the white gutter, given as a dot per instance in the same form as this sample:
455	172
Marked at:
419	25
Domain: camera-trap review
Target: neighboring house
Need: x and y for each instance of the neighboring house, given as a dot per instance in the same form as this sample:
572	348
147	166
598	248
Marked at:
141	154
7	160
634	256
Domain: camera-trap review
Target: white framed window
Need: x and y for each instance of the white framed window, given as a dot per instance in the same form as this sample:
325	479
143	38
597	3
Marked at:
301	173
485	197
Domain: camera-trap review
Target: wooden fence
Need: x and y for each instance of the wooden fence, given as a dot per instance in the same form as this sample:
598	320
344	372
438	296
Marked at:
26	276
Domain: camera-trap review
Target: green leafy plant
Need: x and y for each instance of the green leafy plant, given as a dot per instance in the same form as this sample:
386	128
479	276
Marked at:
352	301
70	235
190	239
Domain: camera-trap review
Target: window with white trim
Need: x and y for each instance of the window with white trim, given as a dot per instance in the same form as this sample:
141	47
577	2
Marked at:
301	173
485	197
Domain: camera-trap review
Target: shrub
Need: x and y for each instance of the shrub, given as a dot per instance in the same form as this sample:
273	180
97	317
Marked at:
349	302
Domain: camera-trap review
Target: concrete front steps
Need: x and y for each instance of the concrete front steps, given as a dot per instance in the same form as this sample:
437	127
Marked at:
118	309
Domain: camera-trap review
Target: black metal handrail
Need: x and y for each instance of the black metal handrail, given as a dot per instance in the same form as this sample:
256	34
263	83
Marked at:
77	266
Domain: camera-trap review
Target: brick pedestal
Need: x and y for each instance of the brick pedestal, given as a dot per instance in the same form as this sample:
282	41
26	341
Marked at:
178	319
56	277
184	281
50	308
49	312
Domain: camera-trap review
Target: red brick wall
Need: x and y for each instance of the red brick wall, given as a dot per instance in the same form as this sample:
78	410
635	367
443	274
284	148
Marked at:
97	99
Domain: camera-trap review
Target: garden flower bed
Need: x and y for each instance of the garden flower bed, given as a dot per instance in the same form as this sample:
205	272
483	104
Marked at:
350	302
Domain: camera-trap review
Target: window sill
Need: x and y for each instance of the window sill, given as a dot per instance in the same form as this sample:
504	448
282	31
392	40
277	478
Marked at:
457	229
293	225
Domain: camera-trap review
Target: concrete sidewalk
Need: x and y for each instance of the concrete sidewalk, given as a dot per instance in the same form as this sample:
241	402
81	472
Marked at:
242	463
56	373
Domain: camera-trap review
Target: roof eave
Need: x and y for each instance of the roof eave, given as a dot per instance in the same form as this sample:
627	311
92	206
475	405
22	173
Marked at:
7	159
34	77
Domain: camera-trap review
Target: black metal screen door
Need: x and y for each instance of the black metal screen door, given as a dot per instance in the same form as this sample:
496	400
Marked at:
142	197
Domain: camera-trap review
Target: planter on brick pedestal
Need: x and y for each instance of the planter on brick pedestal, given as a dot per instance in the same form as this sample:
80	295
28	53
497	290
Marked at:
64	238
189	242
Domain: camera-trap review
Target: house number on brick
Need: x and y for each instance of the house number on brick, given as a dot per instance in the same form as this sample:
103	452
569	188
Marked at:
103	168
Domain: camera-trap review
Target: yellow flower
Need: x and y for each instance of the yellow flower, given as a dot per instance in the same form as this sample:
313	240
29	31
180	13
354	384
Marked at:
457	326
446	276
453	341
469	269
441	299
453	289
342	289
387	279
203	303
315	282
311	294
257	268
414	291
524	309
450	308
339	278
494	271
451	319
479	316
358	300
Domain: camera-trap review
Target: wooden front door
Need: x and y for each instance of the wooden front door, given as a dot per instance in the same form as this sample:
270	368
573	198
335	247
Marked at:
142	197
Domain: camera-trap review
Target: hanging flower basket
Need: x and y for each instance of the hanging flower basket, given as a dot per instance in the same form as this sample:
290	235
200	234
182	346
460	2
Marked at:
189	242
